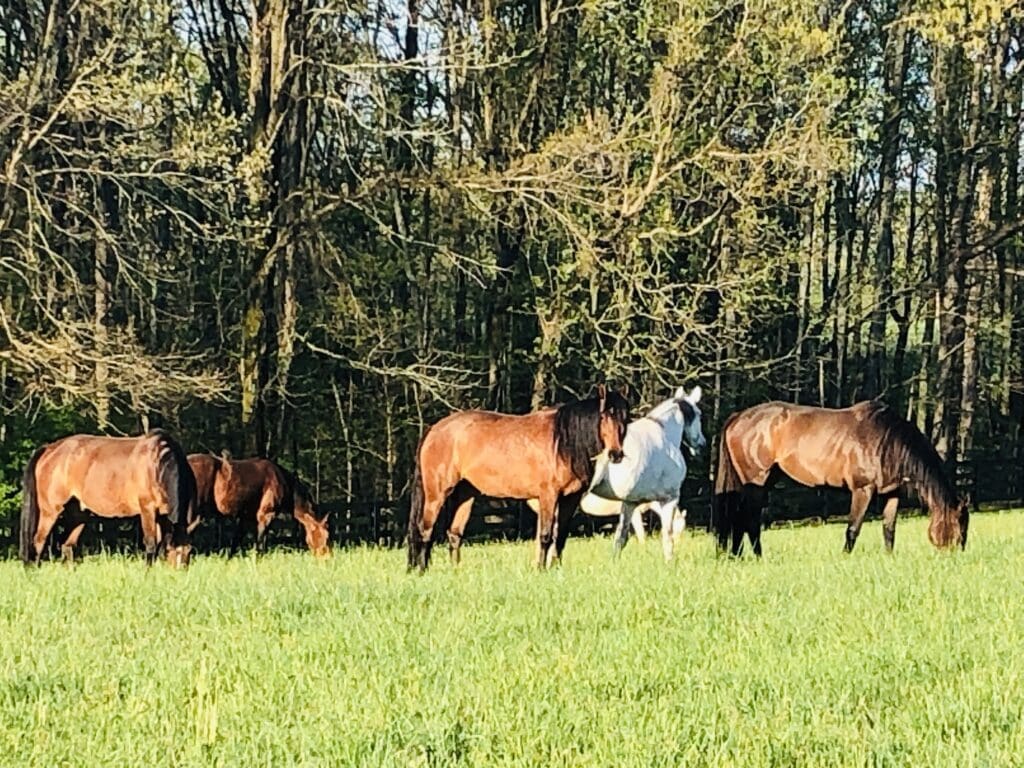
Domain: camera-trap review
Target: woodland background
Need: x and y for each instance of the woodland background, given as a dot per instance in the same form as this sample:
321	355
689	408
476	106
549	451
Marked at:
306	228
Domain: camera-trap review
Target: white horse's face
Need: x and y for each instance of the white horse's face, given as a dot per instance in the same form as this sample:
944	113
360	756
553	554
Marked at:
693	431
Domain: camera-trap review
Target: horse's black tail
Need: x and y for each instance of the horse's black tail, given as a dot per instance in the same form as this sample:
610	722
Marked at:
29	510
179	483
728	488
416	544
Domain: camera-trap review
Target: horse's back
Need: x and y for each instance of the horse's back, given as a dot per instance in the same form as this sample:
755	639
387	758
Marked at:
109	476
502	455
813	445
242	488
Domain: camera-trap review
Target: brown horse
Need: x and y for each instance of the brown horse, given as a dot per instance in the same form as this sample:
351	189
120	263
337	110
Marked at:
146	476
867	448
548	455
253	492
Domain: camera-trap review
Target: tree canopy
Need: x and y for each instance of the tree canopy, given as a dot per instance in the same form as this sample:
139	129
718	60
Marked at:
307	228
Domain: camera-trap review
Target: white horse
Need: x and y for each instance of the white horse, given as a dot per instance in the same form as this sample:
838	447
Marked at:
651	472
652	469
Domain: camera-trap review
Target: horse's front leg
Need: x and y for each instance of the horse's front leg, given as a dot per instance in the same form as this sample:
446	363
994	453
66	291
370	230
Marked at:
637	521
625	521
548	502
667	513
567	506
859	501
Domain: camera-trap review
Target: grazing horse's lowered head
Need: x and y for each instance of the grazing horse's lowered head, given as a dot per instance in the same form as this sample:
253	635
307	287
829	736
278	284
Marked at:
304	511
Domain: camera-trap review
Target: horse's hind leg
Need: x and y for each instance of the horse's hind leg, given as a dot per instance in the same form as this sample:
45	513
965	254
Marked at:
149	533
238	538
47	519
724	509
462	500
67	549
858	507
739	527
754	530
892	504
756	500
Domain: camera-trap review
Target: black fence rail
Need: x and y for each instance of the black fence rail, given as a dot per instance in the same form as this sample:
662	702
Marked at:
988	482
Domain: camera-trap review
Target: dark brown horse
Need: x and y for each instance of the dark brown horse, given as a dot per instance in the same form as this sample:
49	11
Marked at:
80	475
253	492
548	455
867	448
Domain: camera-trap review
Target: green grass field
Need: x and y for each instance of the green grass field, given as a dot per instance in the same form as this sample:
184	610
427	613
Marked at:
808	658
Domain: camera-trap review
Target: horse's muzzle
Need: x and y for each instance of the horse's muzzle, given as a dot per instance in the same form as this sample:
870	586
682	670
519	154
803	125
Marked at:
616	456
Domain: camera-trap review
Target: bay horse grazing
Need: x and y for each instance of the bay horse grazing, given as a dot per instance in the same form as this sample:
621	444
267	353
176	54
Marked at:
254	492
867	448
146	476
547	455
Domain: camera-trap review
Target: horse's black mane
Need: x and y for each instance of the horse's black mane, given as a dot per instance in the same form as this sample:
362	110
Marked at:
297	489
689	412
908	453
576	431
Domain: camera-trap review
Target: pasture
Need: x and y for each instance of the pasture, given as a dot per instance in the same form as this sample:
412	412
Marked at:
809	657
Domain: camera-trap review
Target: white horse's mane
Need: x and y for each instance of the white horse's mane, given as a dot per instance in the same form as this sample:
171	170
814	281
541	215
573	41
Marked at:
661	409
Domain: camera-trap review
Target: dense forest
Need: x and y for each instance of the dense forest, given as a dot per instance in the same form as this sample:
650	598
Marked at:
307	228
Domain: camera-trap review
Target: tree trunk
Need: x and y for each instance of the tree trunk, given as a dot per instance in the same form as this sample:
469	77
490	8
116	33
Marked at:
896	60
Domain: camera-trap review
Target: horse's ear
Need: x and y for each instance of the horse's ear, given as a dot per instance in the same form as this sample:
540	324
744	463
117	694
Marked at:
324	518
694	396
602	393
680	394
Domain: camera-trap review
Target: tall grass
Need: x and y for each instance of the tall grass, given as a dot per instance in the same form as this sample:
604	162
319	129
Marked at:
807	658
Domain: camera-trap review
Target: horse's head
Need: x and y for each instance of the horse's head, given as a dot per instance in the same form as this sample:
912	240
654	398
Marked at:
613	408
948	528
317	532
693	431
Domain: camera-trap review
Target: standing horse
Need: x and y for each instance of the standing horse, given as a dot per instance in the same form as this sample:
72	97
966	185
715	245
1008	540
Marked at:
867	448
547	455
253	492
146	476
653	469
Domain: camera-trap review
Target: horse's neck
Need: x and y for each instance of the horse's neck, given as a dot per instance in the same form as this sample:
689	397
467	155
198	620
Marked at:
670	417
